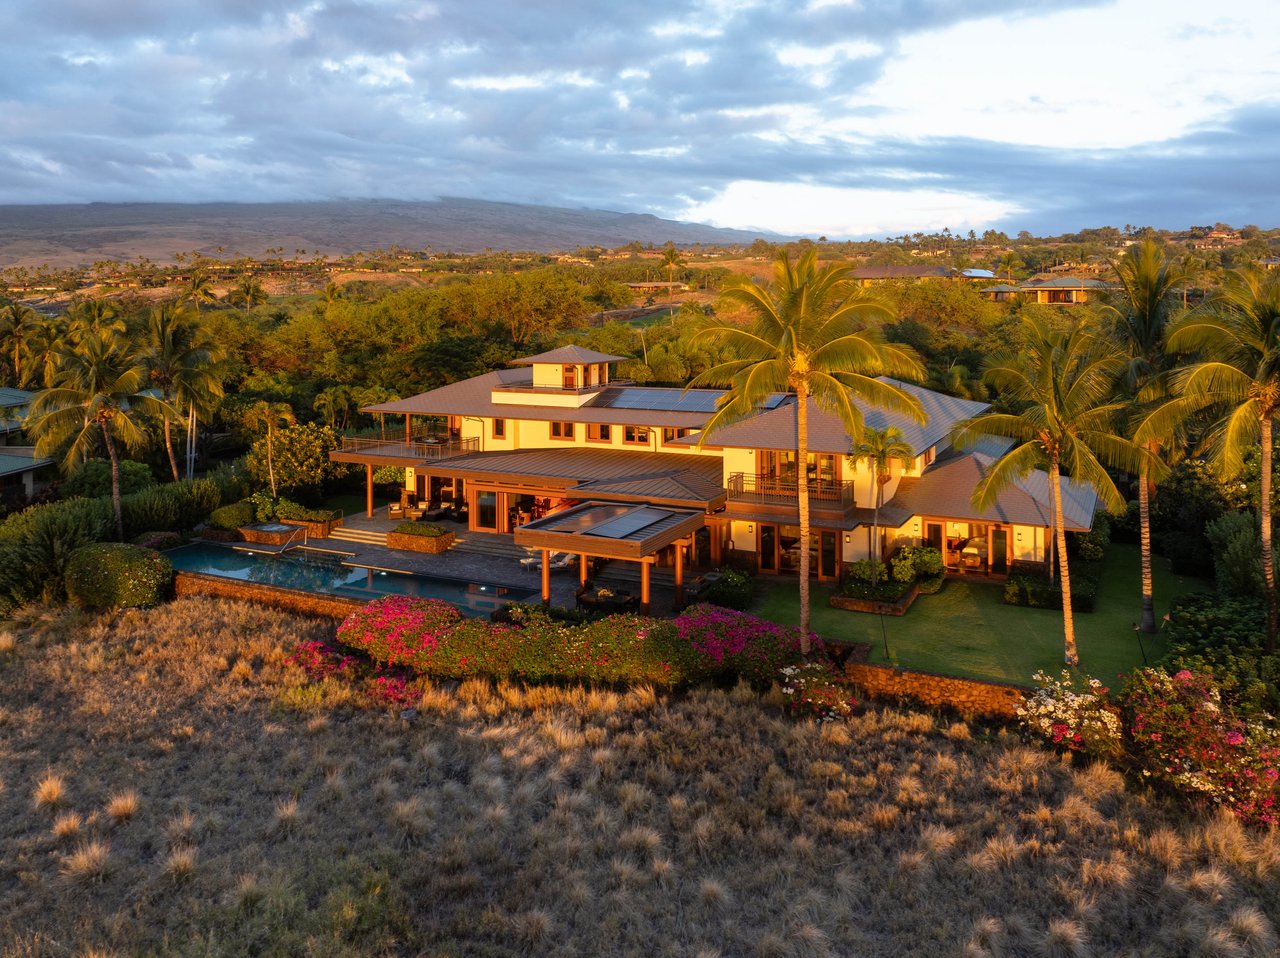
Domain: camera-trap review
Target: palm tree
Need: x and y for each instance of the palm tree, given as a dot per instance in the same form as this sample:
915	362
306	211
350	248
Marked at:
334	404
1149	283
45	342
1238	333
880	448
248	293
98	394
181	361
16	323
810	335
1060	383
269	415
671	261
199	289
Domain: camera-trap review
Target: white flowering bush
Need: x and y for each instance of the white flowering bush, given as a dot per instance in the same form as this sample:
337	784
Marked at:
814	690
1071	716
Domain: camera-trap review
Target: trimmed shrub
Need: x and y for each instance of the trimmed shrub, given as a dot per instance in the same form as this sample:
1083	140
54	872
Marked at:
912	562
233	516
1040	592
1226	636
117	575
42	539
154	510
427	530
732	590
1091	546
1237	553
159	541
287	509
886	590
860	571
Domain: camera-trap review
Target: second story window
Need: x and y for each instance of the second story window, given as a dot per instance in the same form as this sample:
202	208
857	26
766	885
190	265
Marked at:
562	430
570	377
670	435
636	435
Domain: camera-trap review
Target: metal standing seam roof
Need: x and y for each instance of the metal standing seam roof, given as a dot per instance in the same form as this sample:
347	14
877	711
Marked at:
474	397
569	355
597	473
776	428
946	489
11	465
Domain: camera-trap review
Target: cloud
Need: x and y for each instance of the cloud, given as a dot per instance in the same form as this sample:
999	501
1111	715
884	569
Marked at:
860	112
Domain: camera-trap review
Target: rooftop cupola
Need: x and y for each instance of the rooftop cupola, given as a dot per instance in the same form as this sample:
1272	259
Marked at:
568	376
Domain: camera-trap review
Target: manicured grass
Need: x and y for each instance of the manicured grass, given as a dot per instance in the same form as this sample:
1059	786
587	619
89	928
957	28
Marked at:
967	630
353	504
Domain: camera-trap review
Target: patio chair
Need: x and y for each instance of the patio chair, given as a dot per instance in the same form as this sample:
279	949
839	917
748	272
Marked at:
563	561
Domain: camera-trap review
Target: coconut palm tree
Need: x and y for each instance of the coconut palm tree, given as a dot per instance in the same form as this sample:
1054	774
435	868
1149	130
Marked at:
269	415
814	334
16	323
1237	336
247	293
671	261
198	289
45	342
98	395
181	360
1060	383
1149	283
879	449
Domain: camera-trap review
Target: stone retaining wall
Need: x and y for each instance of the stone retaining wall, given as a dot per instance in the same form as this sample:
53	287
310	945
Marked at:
967	696
411	543
316	528
290	600
897	607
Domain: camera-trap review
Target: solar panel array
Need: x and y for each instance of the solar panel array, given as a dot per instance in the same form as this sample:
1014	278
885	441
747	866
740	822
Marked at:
667	400
629	523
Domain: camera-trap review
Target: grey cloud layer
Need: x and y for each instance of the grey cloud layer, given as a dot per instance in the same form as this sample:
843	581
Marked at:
572	103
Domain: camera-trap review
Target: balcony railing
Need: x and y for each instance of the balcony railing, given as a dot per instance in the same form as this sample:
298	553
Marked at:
781	490
565	390
399	449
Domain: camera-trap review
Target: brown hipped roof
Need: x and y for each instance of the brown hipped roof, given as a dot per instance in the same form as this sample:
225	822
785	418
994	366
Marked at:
568	355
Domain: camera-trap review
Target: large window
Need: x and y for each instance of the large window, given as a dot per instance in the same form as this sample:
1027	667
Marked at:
670	435
499	429
562	430
599	432
636	435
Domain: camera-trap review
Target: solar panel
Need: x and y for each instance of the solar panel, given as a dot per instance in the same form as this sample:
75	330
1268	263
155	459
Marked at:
668	400
628	524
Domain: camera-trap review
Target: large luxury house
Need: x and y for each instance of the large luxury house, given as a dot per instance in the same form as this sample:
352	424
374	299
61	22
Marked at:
558	454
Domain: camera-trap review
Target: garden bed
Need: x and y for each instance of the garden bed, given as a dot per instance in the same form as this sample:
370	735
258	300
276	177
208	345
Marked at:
417	543
878	606
316	528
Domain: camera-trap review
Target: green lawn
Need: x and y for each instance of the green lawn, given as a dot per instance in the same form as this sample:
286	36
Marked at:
966	629
353	504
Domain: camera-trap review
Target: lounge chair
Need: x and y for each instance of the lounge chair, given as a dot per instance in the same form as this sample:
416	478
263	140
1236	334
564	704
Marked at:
563	561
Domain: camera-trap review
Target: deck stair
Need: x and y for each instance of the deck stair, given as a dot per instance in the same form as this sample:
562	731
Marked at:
366	537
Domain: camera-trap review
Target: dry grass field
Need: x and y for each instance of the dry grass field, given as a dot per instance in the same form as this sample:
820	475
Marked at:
170	786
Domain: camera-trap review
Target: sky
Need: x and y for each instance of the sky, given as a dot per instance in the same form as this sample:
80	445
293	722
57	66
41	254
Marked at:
837	118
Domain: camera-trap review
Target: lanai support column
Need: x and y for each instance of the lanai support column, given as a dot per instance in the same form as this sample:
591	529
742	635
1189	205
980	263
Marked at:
546	577
679	576
582	568
644	586
407	431
368	489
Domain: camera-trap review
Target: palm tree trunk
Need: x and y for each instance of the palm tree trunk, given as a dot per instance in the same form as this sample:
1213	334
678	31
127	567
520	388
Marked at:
1268	556
802	501
271	469
875	525
1072	655
115	481
1148	623
168	447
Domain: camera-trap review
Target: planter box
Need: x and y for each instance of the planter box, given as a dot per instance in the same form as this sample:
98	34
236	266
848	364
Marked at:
316	529
876	605
431	544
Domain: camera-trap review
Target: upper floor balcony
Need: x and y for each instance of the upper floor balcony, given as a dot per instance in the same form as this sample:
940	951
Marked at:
385	451
825	495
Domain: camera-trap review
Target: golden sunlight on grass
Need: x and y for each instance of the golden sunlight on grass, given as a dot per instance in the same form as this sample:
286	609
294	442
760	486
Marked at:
244	809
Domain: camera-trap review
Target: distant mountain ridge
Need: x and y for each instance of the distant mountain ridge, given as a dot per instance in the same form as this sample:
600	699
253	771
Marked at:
68	235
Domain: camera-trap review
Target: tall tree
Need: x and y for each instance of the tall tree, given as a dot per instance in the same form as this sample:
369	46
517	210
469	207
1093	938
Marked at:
16	324
1060	384
1150	283
198	290
879	449
270	415
181	360
814	334
671	261
1237	336
99	395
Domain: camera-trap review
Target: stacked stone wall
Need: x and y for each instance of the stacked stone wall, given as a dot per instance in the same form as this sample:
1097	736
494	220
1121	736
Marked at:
290	600
967	696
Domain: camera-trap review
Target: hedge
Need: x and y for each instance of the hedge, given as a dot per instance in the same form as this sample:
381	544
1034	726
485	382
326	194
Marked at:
117	575
427	530
1040	592
229	518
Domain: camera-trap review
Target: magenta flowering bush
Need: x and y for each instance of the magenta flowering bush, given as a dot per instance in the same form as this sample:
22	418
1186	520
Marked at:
1181	733
400	630
319	660
732	642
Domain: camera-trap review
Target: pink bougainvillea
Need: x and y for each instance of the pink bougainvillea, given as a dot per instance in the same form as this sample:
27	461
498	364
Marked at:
729	641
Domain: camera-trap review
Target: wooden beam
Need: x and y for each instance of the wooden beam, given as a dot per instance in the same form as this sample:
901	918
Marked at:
546	576
368	489
644	586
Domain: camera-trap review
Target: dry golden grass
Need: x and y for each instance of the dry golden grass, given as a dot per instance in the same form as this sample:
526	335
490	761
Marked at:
248	814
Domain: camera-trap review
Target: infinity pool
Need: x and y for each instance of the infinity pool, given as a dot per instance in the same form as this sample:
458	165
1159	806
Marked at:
310	571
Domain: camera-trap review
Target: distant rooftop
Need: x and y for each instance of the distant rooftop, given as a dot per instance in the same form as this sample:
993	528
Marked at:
568	355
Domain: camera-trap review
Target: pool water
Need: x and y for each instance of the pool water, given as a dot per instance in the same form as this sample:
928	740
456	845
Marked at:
310	571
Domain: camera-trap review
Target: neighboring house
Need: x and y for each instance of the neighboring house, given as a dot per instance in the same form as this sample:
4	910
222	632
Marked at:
19	465
867	275
1055	291
560	455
